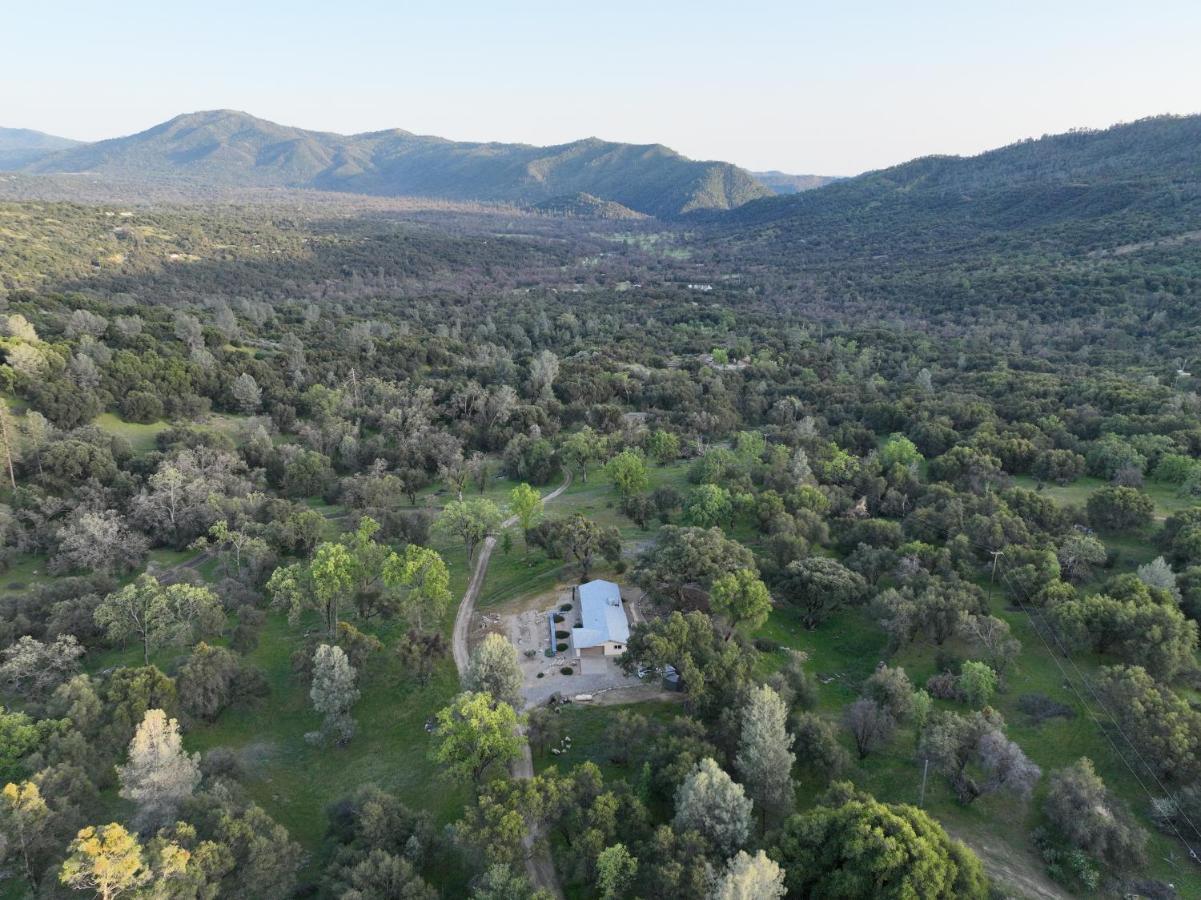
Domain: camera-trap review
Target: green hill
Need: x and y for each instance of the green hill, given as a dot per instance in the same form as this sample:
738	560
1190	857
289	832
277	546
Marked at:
226	149
20	146
1080	191
586	206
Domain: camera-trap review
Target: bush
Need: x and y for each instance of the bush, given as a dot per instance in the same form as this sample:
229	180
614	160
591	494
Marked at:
141	406
766	645
558	618
561	646
943	686
562	635
567	670
566	607
948	661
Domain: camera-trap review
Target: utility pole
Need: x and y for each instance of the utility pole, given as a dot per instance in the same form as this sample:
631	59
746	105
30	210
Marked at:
921	801
996	555
8	450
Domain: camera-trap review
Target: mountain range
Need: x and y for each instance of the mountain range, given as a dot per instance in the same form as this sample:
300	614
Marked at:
225	149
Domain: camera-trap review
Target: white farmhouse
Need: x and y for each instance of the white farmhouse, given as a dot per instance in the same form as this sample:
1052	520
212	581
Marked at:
604	628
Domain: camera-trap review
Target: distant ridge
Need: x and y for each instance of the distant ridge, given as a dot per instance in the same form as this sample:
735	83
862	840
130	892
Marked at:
229	149
20	146
586	206
1140	181
783	183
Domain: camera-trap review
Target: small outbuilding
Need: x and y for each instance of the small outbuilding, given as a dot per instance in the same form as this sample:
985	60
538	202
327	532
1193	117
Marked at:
603	629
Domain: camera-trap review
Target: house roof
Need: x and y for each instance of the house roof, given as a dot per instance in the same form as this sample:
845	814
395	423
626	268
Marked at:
602	616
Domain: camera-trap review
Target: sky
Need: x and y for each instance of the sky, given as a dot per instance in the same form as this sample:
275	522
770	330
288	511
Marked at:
827	88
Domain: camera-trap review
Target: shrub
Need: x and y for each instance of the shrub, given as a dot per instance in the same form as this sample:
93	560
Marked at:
948	661
562	635
943	686
566	607
558	617
567	670
561	646
767	645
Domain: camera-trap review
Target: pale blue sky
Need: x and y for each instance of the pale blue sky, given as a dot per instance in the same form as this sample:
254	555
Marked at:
832	87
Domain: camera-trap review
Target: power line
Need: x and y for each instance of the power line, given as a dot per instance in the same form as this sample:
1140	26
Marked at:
1112	718
996	554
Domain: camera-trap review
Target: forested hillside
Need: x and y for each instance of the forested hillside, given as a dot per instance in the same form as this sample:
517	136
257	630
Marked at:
1077	192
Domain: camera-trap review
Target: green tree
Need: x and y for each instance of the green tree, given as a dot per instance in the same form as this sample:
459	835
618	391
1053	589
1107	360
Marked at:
688	558
824	854
420	574
741	599
473	735
764	758
713	670
526	503
333	692
615	872
1119	508
580	538
1078	554
627	471
174	615
898	450
471	521
494	669
978	682
582	449
1168	728
111	863
818	747
663	446
25	823
818	586
708	506
709	801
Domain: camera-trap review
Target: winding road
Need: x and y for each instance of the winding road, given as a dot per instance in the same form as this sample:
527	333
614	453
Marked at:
538	865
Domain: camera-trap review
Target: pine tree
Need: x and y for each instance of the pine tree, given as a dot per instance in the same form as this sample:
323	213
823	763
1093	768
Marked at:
710	802
750	878
495	670
764	753
334	692
159	775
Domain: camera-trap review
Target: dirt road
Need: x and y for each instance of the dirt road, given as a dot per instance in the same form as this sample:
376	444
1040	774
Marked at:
539	866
